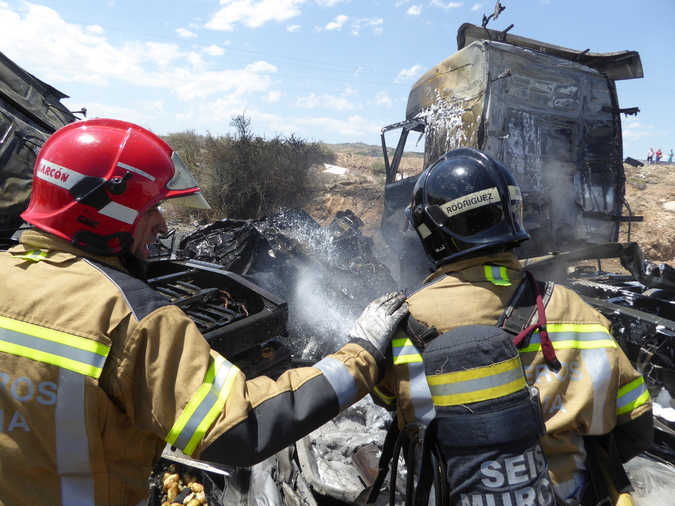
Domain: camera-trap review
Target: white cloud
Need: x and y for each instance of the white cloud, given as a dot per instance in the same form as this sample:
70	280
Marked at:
61	52
362	23
185	34
383	98
411	74
326	101
252	13
634	130
95	29
414	10
273	96
293	28
476	7
337	23
448	5
355	126
214	50
329	3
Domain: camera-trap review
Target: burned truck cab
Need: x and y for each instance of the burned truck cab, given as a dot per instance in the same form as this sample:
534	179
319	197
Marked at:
549	114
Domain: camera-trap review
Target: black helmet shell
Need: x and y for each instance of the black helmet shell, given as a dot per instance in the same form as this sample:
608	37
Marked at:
466	202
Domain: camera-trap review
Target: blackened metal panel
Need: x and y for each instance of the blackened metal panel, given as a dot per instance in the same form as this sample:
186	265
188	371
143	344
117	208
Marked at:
554	124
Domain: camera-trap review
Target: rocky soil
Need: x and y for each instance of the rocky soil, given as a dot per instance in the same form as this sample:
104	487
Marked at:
650	193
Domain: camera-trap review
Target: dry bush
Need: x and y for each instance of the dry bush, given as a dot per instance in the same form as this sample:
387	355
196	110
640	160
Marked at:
244	176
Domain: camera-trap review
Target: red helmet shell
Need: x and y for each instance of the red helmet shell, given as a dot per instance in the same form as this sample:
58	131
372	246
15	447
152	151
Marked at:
97	177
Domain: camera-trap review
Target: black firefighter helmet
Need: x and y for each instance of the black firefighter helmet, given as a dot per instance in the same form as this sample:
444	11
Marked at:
464	203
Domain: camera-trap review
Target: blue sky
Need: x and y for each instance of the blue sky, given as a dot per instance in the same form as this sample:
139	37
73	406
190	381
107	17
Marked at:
324	70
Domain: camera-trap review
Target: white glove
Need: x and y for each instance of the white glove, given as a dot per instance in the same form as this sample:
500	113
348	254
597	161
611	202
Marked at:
379	320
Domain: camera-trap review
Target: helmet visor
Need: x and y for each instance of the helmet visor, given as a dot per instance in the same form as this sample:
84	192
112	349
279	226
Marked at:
184	180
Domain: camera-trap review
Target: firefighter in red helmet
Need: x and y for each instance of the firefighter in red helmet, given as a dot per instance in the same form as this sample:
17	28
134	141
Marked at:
467	211
99	372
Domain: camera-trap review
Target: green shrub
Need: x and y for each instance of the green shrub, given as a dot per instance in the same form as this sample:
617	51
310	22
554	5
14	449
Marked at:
247	176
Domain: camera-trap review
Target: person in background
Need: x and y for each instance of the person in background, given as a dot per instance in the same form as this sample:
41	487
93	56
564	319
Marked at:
99	371
650	156
670	156
658	156
467	211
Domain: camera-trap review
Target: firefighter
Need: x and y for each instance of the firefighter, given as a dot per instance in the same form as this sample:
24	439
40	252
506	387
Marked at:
98	372
467	211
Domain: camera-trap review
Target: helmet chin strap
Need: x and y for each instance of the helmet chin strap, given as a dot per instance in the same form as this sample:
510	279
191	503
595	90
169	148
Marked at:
109	245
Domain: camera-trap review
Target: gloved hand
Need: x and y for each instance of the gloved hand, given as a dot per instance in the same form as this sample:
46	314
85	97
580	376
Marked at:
379	320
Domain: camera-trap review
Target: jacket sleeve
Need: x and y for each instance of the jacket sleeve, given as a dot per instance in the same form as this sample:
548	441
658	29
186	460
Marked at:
634	430
262	416
173	384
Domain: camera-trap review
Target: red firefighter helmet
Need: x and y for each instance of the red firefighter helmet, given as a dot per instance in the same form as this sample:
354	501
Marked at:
94	179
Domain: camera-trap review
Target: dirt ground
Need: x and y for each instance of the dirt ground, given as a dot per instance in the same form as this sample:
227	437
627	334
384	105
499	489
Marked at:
650	193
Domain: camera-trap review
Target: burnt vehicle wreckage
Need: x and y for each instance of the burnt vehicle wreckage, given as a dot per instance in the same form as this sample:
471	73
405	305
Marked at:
263	291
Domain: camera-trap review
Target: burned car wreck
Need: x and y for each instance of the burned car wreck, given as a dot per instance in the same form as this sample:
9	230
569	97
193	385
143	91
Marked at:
268	293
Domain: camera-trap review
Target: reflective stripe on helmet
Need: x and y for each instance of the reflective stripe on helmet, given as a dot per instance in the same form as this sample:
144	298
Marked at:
471	201
136	170
119	212
74	353
497	275
57	174
204	407
76	358
340	379
478	384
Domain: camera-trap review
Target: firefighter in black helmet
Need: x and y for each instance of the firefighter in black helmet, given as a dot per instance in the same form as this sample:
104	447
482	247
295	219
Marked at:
467	211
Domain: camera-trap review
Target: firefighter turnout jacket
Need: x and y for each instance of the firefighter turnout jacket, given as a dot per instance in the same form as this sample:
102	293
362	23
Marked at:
595	392
98	372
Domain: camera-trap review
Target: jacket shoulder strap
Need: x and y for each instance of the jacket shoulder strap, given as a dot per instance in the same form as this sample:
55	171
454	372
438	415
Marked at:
521	310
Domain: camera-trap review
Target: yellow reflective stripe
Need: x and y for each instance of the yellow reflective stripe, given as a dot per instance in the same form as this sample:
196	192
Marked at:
479	384
631	395
204	407
404	351
388	399
74	353
497	275
565	336
34	256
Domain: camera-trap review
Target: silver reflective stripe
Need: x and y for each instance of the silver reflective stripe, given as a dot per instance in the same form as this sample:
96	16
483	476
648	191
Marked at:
119	212
72	443
420	395
137	171
340	379
496	380
58	175
216	394
631	396
57	351
599	369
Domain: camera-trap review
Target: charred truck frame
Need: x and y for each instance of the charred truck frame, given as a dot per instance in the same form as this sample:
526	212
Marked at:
552	116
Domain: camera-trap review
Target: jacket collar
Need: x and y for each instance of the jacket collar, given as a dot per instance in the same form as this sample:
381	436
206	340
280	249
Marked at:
506	259
32	239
